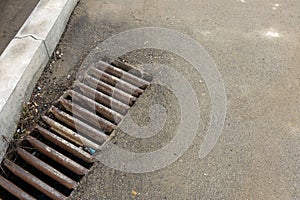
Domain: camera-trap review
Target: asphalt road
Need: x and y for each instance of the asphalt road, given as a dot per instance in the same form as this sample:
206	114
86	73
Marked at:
13	14
256	48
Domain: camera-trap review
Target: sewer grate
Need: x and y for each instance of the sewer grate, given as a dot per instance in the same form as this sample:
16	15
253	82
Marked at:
51	160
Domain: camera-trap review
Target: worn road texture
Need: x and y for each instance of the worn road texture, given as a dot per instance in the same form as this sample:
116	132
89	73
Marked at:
13	13
256	47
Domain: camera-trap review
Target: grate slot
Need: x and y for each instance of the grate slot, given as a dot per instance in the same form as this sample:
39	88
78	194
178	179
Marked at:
15	190
56	156
40	174
123	75
26	187
60	168
46	169
88	116
32	180
64	152
116	82
78	125
131	69
110	90
102	98
67	146
69	134
107	113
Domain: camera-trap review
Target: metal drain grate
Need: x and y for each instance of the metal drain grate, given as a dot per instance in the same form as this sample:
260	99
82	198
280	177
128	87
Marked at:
50	162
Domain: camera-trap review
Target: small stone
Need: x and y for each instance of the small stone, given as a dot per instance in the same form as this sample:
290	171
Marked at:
133	192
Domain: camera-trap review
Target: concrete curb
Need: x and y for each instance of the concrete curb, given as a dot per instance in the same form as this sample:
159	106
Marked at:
24	59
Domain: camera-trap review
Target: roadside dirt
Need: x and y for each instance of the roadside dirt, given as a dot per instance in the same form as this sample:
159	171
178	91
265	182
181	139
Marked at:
48	89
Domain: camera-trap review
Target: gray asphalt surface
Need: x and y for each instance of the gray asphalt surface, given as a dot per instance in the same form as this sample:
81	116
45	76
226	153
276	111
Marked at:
256	47
13	14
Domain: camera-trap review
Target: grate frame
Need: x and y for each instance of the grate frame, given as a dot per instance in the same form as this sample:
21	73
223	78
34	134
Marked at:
59	151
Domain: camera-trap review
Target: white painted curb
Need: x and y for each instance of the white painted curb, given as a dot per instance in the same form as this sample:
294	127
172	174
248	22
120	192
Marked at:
24	59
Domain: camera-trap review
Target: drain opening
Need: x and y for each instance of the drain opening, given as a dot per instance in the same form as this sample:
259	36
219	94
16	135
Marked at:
50	161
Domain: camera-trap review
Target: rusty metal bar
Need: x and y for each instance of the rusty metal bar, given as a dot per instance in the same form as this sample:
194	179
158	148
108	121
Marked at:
34	181
88	116
110	90
78	125
104	111
69	134
116	82
14	190
56	156
123	75
132	70
102	98
46	169
65	145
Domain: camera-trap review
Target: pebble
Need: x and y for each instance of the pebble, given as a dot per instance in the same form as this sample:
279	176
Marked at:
133	192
